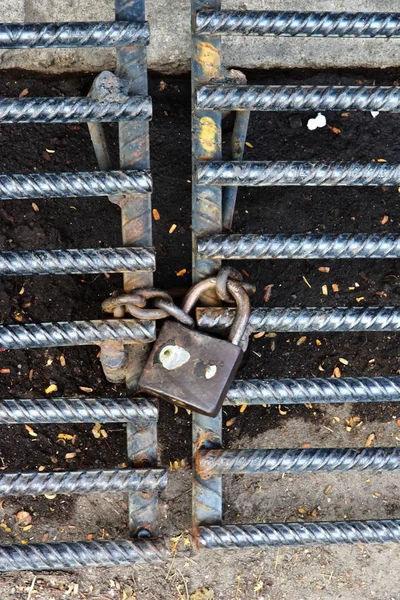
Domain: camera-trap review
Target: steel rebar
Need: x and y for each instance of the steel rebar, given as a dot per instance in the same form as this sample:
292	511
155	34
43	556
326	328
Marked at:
73	110
66	185
314	391
300	246
139	411
299	97
300	534
72	35
82	482
72	555
75	333
357	318
298	24
233	462
58	262
307	173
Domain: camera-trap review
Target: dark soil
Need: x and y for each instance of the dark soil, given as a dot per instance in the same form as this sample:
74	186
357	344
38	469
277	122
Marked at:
68	223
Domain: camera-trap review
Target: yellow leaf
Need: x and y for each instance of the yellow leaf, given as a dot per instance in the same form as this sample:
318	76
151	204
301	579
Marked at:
324	290
70	455
230	422
172	228
62	360
6	528
243	408
27	528
35	207
324	269
328	489
336	373
370	440
318	342
86	389
344	361
41	468
360	299
21	291
282	412
156	215
181	272
249	145
31	431
96	430
65	436
50	151
50	496
301	340
381	160
306	282
258	335
52	388
302	511
384	219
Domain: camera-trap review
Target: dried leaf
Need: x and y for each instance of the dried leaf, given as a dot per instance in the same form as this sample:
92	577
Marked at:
301	340
181	272
86	389
96	430
308	284
41	468
6	528
202	594
35	207
381	160
335	287
156	215
27	528
335	130
230	422
324	290
62	360
324	269
360	299
344	361
328	489
70	455
50	496
243	408
249	145
302	511
268	291
50	151
258	335
318	342
23	518
4	371
337	373
51	388
24	93
65	436
31	431
282	412
172	228
371	439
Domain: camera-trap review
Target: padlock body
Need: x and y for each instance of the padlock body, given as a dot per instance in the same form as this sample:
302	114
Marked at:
190	368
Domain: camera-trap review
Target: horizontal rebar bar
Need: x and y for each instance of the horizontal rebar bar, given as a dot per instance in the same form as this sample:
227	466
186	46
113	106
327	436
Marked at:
73	35
139	411
298	97
73	555
82	482
66	185
75	333
299	534
308	173
298	24
300	246
87	260
314	391
221	462
358	318
73	110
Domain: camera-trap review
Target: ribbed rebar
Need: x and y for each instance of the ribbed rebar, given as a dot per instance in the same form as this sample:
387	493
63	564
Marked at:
66	185
298	24
314	391
300	534
358	318
295	460
299	246
75	333
298	97
73	110
72	35
307	173
82	482
139	411
59	262
73	555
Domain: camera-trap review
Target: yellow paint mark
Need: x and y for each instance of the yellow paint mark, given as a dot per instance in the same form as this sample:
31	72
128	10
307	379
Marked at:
208	136
209	58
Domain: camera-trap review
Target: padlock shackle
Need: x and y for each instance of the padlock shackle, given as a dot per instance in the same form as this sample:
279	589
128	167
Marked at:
241	297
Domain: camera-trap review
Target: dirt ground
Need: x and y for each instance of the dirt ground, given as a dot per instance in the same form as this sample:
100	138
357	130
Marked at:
348	573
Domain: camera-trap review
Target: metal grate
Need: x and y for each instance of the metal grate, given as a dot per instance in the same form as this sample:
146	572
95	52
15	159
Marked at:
216	90
123	98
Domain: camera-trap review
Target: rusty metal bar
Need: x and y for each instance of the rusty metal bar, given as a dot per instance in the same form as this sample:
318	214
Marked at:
67	185
78	410
293	460
88	260
307	173
73	110
97	481
75	333
300	246
314	391
273	535
298	24
75	555
72	35
299	97
206	220
356	318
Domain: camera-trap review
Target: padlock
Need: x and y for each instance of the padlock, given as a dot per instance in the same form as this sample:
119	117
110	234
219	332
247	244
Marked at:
191	368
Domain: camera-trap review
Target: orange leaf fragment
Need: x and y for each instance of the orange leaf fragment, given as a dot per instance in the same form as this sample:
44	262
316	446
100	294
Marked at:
324	269
181	272
172	228
156	215
337	373
335	130
384	219
335	287
24	93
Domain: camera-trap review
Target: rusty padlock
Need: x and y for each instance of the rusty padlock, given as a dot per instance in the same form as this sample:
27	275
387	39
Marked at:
194	369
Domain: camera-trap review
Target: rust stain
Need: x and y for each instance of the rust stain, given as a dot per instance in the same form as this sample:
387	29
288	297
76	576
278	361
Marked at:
208	136
204	437
201	467
209	57
195	536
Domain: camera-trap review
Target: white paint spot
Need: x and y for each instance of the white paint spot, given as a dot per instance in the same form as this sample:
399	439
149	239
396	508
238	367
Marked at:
173	357
319	121
374	113
210	371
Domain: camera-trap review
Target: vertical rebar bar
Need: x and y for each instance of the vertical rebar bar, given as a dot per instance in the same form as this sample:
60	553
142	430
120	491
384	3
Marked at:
136	231
206	217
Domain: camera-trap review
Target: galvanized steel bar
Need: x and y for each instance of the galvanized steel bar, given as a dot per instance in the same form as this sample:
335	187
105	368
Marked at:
82	482
300	246
73	110
72	35
314	391
78	410
307	173
206	220
273	535
357	318
75	333
299	97
308	460
67	185
75	555
298	24
88	260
